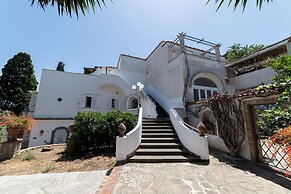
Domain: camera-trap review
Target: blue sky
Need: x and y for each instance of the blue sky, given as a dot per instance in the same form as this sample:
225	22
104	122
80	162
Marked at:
131	27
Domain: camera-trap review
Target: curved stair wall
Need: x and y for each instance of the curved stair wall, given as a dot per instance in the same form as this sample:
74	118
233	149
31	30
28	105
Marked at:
126	145
189	138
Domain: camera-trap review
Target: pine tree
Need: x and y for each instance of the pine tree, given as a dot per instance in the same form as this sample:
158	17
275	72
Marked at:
16	83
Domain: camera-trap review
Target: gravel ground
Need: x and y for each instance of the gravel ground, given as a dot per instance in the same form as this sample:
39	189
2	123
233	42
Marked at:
54	161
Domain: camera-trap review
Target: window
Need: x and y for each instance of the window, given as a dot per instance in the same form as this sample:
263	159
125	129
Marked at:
113	103
132	102
196	94
203	88
88	103
202	93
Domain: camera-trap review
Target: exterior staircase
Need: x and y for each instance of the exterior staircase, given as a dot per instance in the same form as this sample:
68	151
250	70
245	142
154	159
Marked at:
160	143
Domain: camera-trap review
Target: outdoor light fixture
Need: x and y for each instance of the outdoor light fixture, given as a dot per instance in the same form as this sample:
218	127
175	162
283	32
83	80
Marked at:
139	86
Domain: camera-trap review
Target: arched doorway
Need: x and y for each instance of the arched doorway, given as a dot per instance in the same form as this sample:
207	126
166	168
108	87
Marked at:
60	135
132	102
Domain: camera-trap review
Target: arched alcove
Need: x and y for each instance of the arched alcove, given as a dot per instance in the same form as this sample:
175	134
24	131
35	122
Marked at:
60	135
132	102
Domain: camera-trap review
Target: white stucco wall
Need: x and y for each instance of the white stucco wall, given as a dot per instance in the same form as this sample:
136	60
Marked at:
166	78
47	126
132	64
253	79
73	87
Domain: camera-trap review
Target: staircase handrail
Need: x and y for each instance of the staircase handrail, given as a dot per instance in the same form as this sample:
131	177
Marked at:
190	126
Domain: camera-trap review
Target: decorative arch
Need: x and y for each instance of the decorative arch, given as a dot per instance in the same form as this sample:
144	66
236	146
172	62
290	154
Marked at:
206	84
132	102
211	77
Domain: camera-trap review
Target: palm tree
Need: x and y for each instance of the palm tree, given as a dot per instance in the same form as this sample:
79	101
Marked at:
243	3
70	6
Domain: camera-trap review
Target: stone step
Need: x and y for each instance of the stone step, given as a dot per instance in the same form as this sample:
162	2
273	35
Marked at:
144	131
162	159
157	127
159	151
162	130
157	135
156	120
157	123
159	140
160	145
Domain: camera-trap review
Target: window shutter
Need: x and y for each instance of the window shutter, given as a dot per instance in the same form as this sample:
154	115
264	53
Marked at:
82	101
116	103
94	102
109	102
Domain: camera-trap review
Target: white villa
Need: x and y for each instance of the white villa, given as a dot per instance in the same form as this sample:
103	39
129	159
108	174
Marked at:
170	72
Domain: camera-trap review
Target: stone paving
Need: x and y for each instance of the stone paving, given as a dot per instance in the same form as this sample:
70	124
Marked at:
216	177
64	183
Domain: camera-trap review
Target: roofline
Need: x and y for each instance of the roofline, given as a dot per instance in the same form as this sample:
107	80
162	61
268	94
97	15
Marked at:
261	51
165	42
68	72
126	55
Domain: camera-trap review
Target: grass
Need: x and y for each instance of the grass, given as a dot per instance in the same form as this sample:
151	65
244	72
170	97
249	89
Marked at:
30	156
49	168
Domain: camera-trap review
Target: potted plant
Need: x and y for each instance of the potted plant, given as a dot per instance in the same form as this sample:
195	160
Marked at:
15	127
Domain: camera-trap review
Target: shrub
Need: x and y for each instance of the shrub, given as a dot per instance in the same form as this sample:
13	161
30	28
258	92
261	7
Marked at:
274	119
93	130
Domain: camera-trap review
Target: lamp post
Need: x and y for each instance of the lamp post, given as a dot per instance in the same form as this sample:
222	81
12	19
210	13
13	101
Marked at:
138	88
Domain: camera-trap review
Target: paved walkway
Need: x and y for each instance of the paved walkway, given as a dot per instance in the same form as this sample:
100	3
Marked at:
216	177
63	183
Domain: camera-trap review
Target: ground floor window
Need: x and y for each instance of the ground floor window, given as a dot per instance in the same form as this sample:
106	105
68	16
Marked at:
114	103
88	103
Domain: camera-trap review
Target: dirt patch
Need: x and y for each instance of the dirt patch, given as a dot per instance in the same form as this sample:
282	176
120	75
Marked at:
55	161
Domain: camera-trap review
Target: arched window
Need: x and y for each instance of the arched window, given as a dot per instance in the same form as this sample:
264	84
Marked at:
132	102
203	88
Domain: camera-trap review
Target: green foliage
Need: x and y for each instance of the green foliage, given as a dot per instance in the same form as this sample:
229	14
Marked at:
274	119
16	83
282	66
95	130
61	66
236	51
29	156
243	3
279	117
69	7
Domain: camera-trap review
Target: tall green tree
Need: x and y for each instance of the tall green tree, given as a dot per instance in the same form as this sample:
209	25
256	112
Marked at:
70	6
236	51
237	3
16	83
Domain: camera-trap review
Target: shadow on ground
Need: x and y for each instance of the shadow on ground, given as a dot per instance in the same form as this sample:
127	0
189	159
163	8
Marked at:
257	169
108	152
